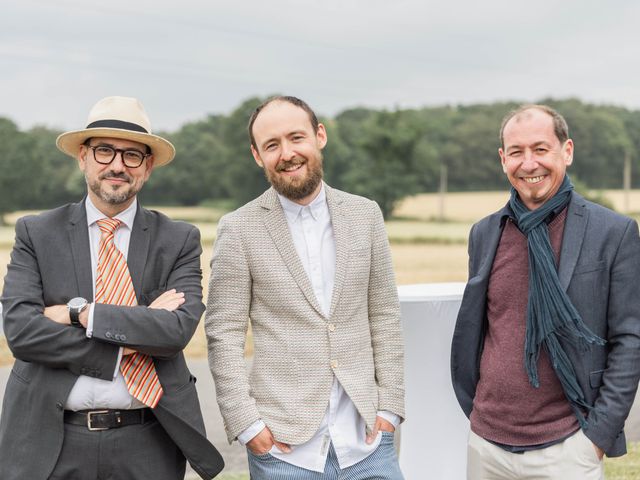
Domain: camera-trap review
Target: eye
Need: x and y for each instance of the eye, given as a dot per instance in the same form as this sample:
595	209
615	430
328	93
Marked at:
297	138
541	150
104	150
515	153
270	146
133	155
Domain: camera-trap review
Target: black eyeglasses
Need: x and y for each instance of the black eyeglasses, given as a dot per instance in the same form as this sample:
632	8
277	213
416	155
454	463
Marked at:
104	154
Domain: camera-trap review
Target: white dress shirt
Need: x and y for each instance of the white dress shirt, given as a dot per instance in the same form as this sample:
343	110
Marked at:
342	425
88	392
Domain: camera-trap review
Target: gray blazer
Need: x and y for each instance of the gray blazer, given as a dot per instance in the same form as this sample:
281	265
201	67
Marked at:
599	268
258	278
51	264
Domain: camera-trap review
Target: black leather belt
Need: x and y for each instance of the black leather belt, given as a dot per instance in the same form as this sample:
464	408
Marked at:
96	420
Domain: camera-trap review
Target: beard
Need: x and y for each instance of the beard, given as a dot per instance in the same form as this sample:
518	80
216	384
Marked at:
113	195
296	188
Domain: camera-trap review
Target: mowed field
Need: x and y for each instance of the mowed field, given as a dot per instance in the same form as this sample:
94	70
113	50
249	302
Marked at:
425	248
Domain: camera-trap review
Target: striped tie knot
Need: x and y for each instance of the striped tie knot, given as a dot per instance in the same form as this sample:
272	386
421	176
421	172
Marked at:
108	226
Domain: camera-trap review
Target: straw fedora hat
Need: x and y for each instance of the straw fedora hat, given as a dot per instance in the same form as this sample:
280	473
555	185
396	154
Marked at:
118	117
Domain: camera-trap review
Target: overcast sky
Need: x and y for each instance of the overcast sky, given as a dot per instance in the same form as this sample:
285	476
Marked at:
188	58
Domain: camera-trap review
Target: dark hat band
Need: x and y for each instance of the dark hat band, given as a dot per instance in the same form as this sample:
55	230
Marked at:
117	124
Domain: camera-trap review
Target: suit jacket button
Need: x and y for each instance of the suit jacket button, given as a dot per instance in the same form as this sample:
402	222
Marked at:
59	406
123	337
334	364
108	335
332	327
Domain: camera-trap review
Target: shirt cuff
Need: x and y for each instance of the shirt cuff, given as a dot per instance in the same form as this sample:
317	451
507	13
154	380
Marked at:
89	331
392	418
247	435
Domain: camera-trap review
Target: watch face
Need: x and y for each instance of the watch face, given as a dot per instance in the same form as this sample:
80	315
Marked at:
77	302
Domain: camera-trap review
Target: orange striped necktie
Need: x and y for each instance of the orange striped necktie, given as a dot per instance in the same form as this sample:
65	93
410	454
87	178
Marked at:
114	286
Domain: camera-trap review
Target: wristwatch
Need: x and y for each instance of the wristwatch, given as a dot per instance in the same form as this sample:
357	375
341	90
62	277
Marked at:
75	306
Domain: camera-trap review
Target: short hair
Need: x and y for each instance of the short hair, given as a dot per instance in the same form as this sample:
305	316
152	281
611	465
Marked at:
282	98
560	127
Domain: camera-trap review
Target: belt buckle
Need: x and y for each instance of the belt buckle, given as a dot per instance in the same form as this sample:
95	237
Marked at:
95	412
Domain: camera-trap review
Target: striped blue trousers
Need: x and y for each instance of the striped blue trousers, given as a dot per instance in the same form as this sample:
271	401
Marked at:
382	464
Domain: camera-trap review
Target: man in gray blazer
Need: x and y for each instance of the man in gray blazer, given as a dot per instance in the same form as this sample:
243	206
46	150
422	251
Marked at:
100	299
546	351
309	268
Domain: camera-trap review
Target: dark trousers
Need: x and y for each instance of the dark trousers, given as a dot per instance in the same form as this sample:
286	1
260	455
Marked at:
133	452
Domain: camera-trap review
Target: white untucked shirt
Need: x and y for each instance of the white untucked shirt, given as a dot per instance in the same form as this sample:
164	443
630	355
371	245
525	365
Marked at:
342	425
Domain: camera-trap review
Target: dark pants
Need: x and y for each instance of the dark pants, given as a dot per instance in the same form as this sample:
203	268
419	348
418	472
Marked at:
133	452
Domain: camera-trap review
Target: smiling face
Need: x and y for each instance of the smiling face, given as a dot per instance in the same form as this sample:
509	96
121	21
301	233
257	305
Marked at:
289	150
113	187
533	158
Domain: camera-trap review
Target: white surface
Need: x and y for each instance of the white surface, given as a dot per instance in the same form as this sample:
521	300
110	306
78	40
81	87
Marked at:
433	442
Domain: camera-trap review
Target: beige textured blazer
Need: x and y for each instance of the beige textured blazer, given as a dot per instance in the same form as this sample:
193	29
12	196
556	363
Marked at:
257	277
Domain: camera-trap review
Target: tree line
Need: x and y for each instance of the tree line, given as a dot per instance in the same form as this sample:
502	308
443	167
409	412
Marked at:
382	154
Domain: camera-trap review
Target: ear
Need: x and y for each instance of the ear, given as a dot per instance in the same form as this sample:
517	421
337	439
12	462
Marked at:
567	152
503	160
256	157
149	166
82	157
321	136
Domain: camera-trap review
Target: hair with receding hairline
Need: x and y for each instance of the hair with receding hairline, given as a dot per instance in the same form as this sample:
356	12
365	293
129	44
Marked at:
560	127
282	98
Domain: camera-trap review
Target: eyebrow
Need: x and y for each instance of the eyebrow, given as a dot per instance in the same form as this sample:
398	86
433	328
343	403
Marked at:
275	139
534	145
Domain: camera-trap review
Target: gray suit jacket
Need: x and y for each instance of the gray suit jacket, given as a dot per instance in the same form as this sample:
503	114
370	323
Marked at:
51	264
599	268
257	277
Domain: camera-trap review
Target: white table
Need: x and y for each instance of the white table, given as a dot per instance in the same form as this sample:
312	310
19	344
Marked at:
433	440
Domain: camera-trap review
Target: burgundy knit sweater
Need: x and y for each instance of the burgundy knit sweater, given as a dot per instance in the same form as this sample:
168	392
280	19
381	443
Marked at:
506	408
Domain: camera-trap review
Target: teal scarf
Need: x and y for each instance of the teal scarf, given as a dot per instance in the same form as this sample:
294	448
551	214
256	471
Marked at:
550	313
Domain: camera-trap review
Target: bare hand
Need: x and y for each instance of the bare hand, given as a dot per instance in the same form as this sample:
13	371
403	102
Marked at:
380	425
58	313
169	300
128	351
262	443
599	451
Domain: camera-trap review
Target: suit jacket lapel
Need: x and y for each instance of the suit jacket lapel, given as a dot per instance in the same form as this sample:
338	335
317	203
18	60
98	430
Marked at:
574	228
138	249
491	240
340	226
79	241
276	224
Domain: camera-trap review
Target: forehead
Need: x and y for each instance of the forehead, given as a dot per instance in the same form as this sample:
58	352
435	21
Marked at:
532	125
280	118
117	143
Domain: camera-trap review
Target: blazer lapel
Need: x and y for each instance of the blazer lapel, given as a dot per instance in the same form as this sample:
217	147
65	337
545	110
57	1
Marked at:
492	239
138	249
276	224
340	226
79	240
574	228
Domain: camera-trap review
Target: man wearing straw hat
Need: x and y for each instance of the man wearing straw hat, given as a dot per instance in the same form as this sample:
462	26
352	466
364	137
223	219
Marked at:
100	299
546	351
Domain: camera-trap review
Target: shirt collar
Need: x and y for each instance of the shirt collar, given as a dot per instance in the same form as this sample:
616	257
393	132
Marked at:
316	208
126	216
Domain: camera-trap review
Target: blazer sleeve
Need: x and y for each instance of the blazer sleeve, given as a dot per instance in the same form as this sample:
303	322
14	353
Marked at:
31	336
153	331
226	323
384	322
620	378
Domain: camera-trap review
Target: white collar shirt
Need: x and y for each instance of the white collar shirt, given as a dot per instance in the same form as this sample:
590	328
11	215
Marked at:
88	392
342	425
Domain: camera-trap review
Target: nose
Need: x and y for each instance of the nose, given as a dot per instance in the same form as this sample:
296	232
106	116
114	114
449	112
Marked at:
117	164
529	163
287	152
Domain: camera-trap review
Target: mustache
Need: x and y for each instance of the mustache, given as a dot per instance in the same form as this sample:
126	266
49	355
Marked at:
288	164
120	176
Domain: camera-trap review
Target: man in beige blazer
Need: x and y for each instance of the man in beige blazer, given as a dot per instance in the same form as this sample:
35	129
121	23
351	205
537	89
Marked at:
309	267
